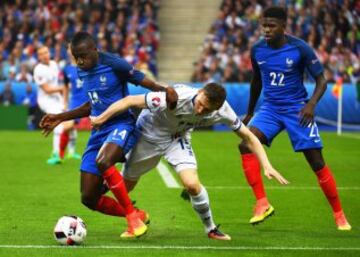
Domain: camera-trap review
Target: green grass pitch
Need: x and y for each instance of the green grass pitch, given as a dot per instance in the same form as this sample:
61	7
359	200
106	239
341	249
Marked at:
34	195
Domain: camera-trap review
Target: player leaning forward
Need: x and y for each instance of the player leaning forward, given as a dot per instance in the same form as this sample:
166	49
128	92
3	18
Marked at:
166	132
105	78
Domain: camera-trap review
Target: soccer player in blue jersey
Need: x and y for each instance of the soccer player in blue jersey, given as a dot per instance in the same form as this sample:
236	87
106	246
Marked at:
279	63
75	96
105	78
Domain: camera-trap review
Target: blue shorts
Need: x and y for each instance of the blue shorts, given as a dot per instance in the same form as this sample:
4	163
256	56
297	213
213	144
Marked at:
124	135
271	121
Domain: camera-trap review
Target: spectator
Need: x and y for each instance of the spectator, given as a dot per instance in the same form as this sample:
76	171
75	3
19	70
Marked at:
332	28
7	96
24	75
30	100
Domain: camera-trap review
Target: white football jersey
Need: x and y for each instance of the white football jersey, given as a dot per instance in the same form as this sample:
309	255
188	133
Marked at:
159	124
47	74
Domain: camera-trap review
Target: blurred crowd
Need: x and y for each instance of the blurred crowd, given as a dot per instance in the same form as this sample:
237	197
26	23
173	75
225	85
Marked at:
331	27
125	27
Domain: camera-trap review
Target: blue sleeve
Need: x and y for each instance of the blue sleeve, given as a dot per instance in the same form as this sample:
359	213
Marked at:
123	69
311	62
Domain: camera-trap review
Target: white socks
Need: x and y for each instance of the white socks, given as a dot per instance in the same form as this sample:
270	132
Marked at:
72	141
56	139
201	205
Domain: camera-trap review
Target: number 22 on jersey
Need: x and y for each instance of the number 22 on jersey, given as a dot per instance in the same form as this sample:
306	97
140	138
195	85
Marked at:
277	79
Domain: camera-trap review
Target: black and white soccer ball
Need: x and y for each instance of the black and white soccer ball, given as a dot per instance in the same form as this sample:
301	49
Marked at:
70	230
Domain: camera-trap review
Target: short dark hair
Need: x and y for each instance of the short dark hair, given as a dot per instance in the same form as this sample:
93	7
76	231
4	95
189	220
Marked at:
277	12
215	94
81	37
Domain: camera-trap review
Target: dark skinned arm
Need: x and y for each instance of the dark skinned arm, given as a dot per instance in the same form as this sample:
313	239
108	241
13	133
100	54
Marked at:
307	112
50	121
255	90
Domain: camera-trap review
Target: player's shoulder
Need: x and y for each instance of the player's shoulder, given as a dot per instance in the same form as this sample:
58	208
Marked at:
113	60
258	44
298	42
40	68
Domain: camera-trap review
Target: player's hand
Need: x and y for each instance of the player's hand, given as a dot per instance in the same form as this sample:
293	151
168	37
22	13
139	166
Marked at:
247	118
270	173
171	97
48	123
307	114
95	122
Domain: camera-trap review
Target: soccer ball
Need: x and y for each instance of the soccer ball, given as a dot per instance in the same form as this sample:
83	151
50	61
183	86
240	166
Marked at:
70	230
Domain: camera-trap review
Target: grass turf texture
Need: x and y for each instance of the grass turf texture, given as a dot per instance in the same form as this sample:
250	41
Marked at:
35	195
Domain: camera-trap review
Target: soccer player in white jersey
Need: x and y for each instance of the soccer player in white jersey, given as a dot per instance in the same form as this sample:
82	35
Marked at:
50	95
166	133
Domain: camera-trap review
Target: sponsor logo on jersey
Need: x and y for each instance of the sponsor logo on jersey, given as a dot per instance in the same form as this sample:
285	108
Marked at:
261	62
314	61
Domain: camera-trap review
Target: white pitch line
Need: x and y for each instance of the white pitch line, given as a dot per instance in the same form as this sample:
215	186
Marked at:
281	188
166	176
180	247
354	136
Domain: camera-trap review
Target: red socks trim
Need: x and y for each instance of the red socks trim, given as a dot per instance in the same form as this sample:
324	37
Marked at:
328	186
117	186
252	170
64	140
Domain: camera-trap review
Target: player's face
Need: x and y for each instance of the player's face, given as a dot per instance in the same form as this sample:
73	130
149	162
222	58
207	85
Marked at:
44	55
86	56
272	29
202	105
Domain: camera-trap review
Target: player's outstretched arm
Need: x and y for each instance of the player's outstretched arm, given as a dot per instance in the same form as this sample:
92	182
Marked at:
118	107
256	147
50	121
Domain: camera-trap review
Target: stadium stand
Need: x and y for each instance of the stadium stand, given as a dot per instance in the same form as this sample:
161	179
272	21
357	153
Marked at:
331	27
128	28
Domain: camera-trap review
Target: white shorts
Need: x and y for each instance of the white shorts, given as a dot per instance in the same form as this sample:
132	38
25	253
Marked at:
146	155
51	106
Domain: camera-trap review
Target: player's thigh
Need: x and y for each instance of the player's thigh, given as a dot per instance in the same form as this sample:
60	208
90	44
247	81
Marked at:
180	155
109	154
266	125
51	106
141	159
302	138
119	141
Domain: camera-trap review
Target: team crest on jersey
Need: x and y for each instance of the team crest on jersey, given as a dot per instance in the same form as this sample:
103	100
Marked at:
102	80
289	62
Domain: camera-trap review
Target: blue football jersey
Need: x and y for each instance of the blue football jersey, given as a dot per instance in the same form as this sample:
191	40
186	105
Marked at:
106	83
282	70
77	94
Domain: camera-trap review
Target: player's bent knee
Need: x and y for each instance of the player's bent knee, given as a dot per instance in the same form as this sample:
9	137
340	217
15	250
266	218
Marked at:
243	148
130	184
89	201
193	187
317	165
